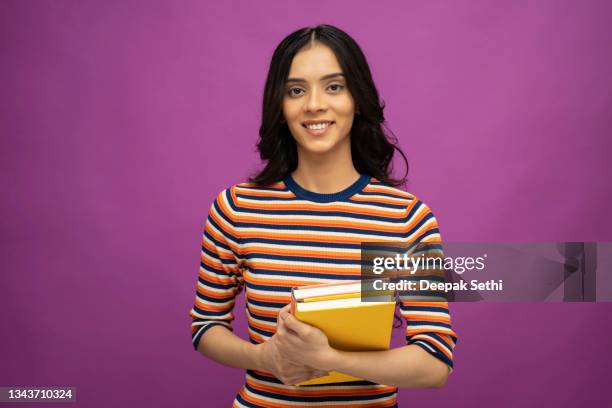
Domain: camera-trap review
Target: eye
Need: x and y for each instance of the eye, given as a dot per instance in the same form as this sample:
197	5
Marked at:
295	91
335	87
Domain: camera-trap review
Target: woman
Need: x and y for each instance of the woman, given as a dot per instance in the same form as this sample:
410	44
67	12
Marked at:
325	189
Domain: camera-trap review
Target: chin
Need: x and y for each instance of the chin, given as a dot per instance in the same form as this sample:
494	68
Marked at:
323	145
318	148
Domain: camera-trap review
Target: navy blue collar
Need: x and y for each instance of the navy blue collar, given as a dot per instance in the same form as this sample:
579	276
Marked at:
351	190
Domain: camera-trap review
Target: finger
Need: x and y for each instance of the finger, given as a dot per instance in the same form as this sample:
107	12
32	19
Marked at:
311	374
293	324
294	380
282	313
319	373
294	367
295	373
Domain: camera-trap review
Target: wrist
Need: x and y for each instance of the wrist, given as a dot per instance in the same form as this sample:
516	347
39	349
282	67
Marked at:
331	360
255	353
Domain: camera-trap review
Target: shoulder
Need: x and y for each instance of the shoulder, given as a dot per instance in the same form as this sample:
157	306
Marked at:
241	193
417	217
247	195
397	196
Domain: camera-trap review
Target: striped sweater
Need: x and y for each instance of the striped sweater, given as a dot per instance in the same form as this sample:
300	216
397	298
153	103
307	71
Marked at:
270	239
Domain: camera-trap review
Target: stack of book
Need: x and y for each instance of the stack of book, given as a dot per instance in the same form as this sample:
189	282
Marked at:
352	320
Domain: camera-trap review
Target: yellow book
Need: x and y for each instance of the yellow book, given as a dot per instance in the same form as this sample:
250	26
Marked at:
349	323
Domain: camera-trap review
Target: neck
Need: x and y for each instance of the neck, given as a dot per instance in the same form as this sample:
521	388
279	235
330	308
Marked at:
325	174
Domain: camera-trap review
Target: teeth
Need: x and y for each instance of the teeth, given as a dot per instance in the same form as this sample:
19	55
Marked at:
318	126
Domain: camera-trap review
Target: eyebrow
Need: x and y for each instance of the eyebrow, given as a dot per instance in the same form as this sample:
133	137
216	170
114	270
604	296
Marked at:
323	78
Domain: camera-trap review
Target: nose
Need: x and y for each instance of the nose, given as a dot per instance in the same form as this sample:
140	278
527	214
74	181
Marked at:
315	101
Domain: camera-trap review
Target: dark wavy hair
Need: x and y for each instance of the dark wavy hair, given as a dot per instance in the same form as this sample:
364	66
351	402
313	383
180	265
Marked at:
372	143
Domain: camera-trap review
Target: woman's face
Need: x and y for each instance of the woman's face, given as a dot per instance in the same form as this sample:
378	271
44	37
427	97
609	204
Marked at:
318	106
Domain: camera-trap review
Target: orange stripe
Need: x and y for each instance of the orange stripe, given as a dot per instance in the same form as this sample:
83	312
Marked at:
265	298
295	220
265	313
207	292
441	349
320	270
265	327
200	303
216	266
384	200
259	193
212	248
256	337
304	392
262	402
218	279
321	208
302	252
314	236
381	189
221	223
447	339
308	236
443	304
437	319
415	220
278	185
414	331
282	283
269	404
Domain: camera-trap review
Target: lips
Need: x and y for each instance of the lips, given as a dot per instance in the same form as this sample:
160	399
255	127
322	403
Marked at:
317	128
317	125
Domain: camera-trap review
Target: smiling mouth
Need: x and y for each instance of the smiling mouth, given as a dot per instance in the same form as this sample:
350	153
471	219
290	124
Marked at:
317	126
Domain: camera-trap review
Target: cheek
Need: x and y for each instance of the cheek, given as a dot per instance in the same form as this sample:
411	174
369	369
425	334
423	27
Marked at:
345	107
290	110
291	114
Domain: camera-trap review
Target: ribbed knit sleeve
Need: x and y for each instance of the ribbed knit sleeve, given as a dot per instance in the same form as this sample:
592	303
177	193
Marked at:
219	278
428	323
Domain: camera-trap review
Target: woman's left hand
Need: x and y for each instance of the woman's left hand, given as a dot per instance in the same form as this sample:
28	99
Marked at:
304	344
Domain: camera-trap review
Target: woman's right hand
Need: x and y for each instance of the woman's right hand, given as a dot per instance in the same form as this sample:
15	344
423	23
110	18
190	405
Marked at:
272	361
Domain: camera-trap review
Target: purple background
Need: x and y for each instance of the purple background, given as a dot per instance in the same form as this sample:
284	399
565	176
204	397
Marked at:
121	121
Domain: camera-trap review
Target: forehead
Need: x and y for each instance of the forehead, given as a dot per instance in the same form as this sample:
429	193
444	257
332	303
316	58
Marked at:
314	62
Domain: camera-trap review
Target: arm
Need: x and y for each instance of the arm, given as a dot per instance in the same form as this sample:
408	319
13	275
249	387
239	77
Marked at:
224	347
407	366
219	282
219	278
